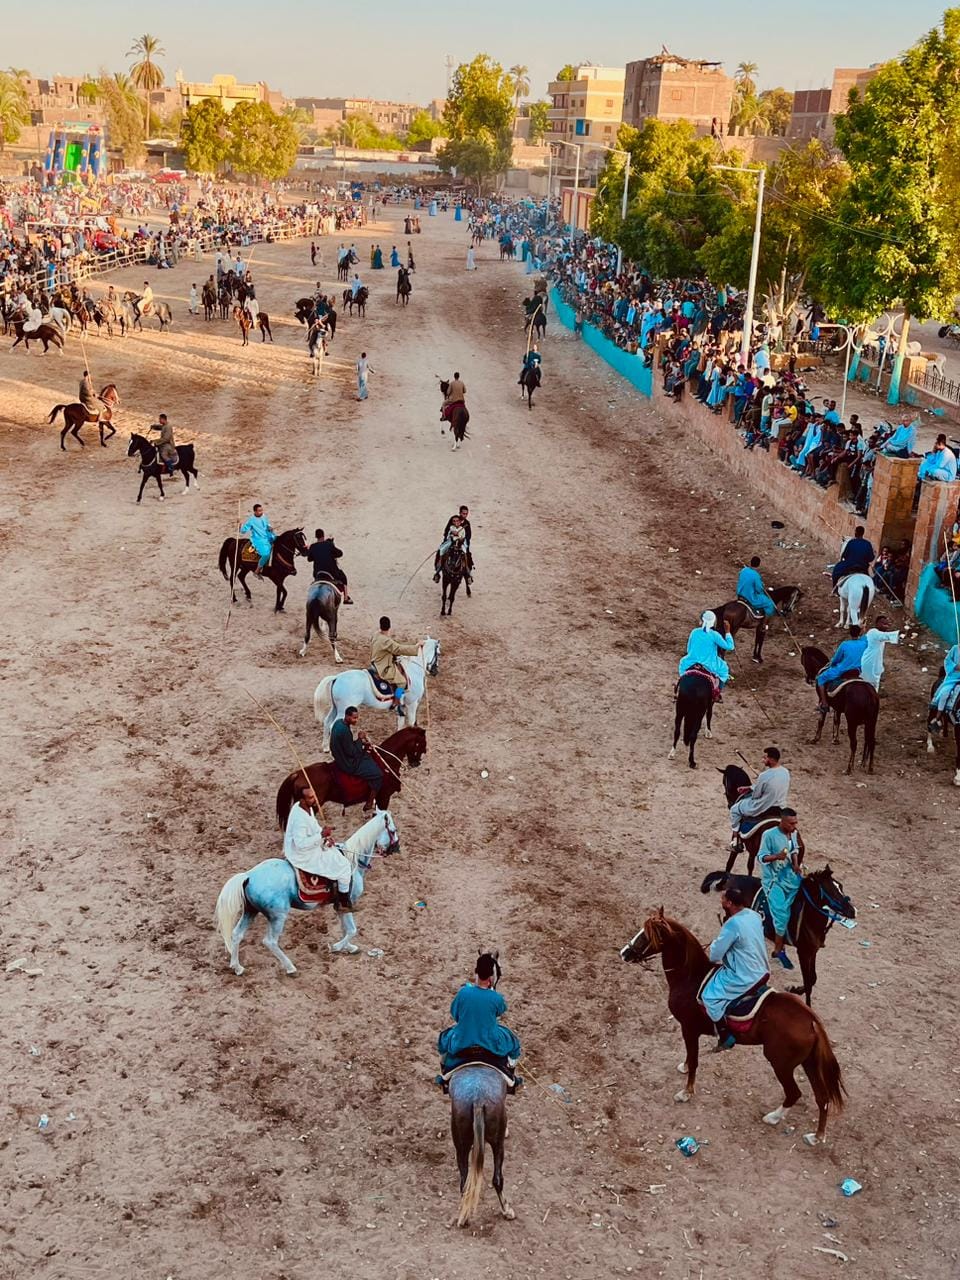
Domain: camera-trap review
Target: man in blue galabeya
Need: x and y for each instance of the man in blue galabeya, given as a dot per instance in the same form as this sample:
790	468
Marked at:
741	953
751	591
780	857
477	1033
845	662
903	441
704	646
948	690
257	529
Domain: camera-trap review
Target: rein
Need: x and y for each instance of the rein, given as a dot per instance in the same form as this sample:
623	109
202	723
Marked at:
831	916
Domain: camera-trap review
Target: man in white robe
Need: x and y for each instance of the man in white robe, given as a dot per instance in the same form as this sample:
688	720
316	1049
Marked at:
306	847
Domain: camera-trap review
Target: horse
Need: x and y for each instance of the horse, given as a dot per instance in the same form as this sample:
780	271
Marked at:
478	1115
224	299
458	419
344	265
454	570
857	700
104	314
238	553
333	787
694	698
740	616
735	778
940	721
792	1035
154	469
360	301
819	904
855	592
305	307
45	333
160	309
404	288
529	381
270	888
245	322
75	416
323	603
356	689
208	298
263	324
506	248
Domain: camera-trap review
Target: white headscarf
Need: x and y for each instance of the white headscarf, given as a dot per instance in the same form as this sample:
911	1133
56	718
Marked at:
708	619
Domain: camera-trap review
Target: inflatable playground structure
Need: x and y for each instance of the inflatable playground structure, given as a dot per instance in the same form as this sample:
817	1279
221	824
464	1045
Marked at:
75	153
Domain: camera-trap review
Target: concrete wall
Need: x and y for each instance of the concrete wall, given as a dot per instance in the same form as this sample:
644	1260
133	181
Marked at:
629	366
668	91
936	512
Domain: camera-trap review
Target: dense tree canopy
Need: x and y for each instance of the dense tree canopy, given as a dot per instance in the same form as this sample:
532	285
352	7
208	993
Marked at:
478	120
262	144
14	110
204	134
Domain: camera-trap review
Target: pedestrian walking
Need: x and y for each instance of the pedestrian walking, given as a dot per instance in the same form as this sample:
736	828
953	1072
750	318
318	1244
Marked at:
363	370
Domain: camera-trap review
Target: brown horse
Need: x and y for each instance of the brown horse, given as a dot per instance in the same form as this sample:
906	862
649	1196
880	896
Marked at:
856	699
239	557
408	745
75	416
791	1034
46	333
742	618
245	323
360	301
458	418
819	904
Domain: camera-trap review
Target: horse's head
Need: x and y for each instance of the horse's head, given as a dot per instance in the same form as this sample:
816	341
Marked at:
649	942
431	656
136	444
299	542
733	779
831	895
813	661
795	595
495	961
388	841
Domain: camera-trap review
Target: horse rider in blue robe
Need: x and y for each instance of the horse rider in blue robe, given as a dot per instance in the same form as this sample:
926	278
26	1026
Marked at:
780	857
351	755
477	1034
531	360
845	663
741	952
262	537
704	646
948	690
751	591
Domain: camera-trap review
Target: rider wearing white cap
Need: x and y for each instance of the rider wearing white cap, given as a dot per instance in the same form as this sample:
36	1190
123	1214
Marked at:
705	645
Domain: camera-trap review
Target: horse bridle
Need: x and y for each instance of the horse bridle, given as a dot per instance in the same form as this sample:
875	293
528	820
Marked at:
831	916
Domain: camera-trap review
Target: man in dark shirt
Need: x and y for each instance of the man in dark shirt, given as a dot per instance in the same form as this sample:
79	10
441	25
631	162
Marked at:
856	557
350	754
463	515
323	555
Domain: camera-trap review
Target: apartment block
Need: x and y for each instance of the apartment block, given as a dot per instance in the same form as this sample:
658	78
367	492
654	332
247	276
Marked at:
815	110
584	110
670	88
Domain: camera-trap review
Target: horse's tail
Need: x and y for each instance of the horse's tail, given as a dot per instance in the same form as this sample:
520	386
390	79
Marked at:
823	1069
230	906
225	557
284	802
323	697
470	1197
55	410
715	880
864	601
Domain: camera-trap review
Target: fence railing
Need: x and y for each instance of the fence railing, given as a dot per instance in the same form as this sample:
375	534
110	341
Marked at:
938	384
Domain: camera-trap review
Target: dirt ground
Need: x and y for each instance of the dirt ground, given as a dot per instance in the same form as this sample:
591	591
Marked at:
203	1125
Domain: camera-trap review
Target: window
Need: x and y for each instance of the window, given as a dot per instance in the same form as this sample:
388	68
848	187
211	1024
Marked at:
608	128
609	104
675	95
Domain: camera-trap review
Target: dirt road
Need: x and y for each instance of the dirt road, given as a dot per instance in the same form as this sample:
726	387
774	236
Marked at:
203	1125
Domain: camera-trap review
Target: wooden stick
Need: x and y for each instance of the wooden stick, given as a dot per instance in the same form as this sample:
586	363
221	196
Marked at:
283	734
233	578
953	593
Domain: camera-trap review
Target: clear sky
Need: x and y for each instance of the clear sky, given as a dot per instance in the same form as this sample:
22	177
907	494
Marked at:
396	48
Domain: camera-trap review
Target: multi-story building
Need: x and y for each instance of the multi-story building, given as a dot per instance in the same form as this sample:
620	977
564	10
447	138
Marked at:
666	87
59	98
391	117
586	109
815	110
228	91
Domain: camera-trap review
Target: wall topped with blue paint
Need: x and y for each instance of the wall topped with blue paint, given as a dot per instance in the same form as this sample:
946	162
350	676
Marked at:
629	366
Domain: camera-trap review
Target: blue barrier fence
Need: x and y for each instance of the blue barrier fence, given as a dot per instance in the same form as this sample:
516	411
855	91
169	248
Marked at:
934	606
628	365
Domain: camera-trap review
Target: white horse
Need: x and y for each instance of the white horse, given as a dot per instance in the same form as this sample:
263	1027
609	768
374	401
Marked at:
271	888
334	694
61	317
856	593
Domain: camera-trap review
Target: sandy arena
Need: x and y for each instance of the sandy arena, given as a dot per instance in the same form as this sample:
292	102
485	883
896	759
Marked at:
268	1128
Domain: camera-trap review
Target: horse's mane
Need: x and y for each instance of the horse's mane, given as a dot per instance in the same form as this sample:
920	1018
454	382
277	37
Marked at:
398	740
693	950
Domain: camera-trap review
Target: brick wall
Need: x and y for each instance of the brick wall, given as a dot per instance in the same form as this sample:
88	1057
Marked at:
936	511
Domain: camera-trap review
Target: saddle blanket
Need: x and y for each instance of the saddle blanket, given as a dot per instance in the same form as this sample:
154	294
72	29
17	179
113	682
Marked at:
481	1059
848	677
248	555
716	688
755	614
742	1012
317	890
383	688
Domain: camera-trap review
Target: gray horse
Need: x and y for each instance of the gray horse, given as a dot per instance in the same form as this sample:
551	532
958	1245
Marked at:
323	602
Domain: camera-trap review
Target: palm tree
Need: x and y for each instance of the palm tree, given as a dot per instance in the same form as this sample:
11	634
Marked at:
521	87
14	111
145	73
744	77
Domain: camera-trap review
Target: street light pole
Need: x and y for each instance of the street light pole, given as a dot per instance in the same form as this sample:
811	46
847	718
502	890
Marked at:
752	284
575	207
623	209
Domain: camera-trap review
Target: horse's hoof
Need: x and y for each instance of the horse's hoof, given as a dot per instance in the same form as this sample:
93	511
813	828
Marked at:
708	733
508	1213
692	764
811	1139
682	1068
672	754
301	652
774	1117
682	1096
930	748
238	969
292	972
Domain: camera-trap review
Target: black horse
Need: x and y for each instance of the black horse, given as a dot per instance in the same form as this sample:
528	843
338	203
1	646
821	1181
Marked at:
154	469
820	901
694	702
360	301
238	555
305	309
735	780
453	571
323	605
529	381
404	287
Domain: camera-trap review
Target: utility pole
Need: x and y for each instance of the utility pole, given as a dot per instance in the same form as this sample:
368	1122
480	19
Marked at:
449	64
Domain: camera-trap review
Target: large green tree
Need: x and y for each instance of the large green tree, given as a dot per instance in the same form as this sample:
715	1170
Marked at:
119	98
539	114
423	128
205	136
896	237
567	72
262	143
478	112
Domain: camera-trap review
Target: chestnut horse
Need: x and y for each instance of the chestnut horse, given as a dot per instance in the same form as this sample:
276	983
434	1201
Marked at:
741	617
238	556
819	904
407	745
791	1034
75	416
858	700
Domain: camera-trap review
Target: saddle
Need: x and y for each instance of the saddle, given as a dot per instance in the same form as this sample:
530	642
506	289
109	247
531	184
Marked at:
716	688
315	890
383	689
249	556
741	1013
326	576
352	789
475	1056
845	678
763	822
755	614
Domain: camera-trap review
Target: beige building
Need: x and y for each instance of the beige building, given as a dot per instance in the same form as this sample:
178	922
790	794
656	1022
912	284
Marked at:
670	88
815	110
58	99
391	117
228	91
585	110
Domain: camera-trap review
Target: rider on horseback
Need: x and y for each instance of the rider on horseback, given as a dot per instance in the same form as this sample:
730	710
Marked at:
308	846
456	393
352	755
477	1033
89	398
752	592
456	533
770	791
781	857
531	361
703	649
741	953
167	445
844	665
323	555
383	650
262	537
